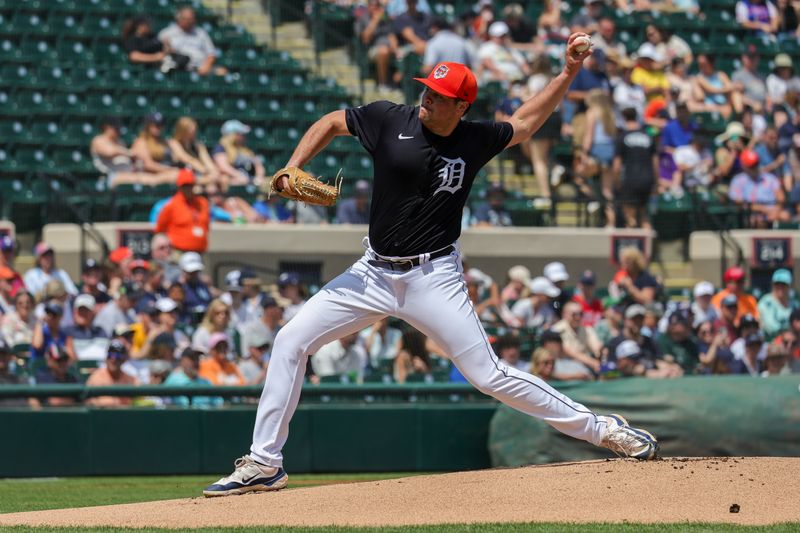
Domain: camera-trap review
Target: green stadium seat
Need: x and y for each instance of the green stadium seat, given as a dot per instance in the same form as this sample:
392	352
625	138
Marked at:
135	103
28	23
69	103
17	76
171	106
37	51
26	160
103	104
28	103
12	131
204	107
110	54
75	52
42	133
10	51
73	160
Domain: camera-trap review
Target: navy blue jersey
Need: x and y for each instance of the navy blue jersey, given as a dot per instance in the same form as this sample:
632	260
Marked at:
422	180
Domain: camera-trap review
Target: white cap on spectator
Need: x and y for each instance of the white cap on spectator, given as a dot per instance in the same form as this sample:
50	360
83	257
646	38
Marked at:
648	50
166	305
519	273
191	262
556	272
498	29
542	285
85	300
234	126
704	288
686	157
627	348
635	310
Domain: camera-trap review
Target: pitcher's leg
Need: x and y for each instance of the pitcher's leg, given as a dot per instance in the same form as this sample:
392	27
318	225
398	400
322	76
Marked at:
346	305
438	305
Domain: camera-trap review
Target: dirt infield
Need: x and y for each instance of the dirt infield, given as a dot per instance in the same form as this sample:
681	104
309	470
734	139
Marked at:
670	490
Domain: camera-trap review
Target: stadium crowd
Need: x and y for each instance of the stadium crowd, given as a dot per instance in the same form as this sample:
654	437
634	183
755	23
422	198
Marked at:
131	321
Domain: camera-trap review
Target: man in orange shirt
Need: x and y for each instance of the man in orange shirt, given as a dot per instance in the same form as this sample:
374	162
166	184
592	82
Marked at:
215	367
186	217
734	284
112	374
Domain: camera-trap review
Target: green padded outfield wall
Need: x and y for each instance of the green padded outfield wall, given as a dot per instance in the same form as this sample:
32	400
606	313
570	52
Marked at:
324	438
691	416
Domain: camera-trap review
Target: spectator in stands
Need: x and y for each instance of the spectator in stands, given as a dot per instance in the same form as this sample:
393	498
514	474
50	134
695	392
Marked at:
771	158
412	29
234	159
273	209
547	135
191	153
355	210
216	320
759	16
381	341
487	304
187	375
8	249
152	151
186	217
636	354
702	309
565	368
140	274
446	45
775	307
522	31
668	46
761	192
185	38
395	8
375	30
493	212
166	327
790	340
611	324
789	25
713	348
18	325
507	349
145	48
230	208
197	294
117	163
85	341
119	311
110	375
636	164
552	29
681	84
343	357
730	144
519	277
679	131
591	307
58	370
542	364
776	362
628	94
6	279
587	20
556	272
783	82
750	360
7	377
161	254
633	282
498	60
649	73
599	138
91	282
37	277
605	39
240	311
216	368
48	331
413	356
536	311
263	329
678	345
291	289
751	82
734	278
591	76
713	90
580	342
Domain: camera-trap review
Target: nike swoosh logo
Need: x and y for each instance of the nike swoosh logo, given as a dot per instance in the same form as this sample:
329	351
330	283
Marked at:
403	137
251	478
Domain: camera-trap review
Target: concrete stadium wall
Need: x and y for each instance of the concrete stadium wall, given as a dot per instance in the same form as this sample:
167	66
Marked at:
335	247
705	252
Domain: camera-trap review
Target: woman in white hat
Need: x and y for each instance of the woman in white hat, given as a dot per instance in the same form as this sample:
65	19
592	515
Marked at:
729	146
782	80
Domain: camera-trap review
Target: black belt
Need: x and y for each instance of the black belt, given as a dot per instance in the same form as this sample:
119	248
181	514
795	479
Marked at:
404	265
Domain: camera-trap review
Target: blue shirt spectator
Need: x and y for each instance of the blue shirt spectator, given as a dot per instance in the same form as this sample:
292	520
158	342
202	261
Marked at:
187	376
679	131
355	210
273	210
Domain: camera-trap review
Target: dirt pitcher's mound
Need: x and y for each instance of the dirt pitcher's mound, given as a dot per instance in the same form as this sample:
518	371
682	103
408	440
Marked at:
732	490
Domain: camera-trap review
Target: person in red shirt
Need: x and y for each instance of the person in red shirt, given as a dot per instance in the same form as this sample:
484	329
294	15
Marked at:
186	217
7	252
584	295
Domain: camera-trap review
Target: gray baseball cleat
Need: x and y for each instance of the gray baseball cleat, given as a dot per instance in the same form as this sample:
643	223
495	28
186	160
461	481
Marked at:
248	476
626	441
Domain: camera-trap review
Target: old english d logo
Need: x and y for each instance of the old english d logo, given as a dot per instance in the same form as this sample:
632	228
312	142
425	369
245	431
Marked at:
452	175
440	72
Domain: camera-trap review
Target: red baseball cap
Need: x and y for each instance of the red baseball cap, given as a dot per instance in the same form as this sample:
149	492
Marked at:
185	177
120	254
748	158
452	79
733	273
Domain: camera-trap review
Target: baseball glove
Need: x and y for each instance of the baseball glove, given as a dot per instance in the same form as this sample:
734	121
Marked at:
304	187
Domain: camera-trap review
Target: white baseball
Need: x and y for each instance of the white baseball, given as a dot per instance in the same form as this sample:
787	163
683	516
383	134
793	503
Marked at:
582	44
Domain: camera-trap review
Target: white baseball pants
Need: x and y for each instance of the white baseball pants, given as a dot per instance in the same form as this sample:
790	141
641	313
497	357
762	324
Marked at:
432	298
